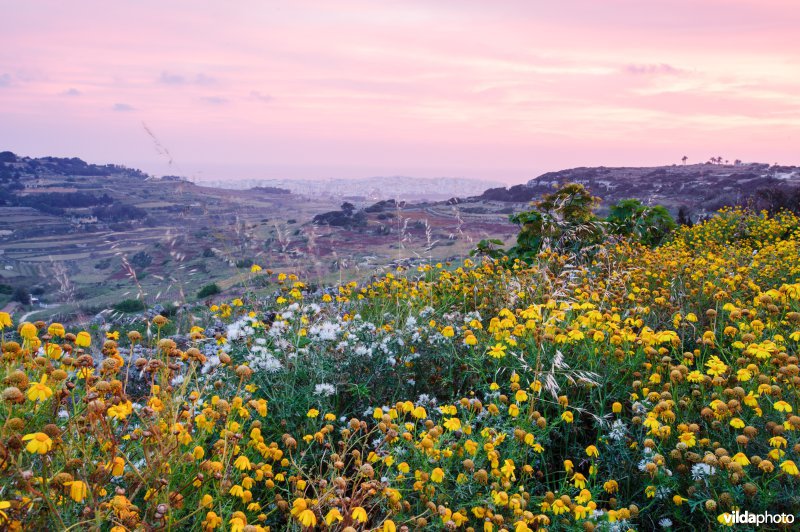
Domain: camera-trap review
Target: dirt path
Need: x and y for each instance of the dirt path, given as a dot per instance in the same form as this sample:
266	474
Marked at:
10	307
24	316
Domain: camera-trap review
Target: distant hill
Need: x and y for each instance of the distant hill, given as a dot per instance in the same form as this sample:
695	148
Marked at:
26	169
699	188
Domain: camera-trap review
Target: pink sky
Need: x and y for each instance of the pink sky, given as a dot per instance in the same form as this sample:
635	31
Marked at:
501	90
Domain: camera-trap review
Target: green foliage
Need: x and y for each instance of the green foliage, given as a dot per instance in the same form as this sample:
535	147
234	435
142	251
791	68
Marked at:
563	221
647	224
209	290
244	263
130	305
142	260
22	295
489	248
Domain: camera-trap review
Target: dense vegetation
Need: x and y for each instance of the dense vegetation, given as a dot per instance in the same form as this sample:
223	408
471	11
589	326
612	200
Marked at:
607	386
565	221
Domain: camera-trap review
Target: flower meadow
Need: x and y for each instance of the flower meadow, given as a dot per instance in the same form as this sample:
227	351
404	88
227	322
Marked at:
638	389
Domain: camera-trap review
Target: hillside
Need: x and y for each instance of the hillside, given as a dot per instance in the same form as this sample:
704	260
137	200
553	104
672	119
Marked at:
699	188
80	237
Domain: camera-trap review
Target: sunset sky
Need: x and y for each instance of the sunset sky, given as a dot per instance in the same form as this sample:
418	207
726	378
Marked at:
501	90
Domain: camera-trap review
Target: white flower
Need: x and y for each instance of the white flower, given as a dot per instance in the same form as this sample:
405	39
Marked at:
665	522
324	389
327	330
264	361
211	363
702	471
618	430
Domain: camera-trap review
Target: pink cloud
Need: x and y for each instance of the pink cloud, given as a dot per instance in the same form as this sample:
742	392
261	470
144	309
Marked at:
501	90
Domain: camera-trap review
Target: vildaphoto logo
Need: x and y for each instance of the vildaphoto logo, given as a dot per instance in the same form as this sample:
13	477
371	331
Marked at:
748	518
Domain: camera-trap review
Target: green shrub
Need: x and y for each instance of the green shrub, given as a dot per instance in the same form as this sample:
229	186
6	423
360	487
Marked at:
209	290
130	305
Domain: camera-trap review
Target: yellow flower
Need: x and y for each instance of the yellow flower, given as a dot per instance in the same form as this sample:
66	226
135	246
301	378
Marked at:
782	406
741	459
5	320
156	404
521	396
448	332
117	466
28	331
206	501
39	391
389	526
579	481
255	268
567	416
78	490
508	469
584	496
359	514
212	521
56	329
120	411
790	468
419	413
716	367
437	475
725	519
688	438
736	423
243	463
238	522
452	424
38	442
778	442
312	413
559	507
695	376
54	351
83	339
498	351
592	451
616	407
333	515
